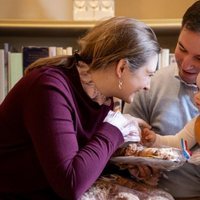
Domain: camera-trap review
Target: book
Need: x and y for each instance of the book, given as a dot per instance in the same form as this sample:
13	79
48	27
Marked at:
59	51
163	60
32	53
69	50
172	58
2	76
15	68
7	48
52	51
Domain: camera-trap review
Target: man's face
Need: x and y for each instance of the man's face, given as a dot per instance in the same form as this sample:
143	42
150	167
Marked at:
187	55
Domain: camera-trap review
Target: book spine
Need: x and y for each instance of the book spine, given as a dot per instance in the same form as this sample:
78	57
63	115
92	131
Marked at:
15	68
2	76
32	53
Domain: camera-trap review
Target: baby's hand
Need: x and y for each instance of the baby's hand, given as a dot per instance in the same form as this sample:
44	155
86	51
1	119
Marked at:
148	137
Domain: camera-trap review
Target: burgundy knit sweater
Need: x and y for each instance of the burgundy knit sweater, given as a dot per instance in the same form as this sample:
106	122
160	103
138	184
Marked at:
53	142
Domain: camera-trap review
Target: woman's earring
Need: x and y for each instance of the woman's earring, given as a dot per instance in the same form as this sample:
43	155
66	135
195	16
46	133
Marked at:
120	84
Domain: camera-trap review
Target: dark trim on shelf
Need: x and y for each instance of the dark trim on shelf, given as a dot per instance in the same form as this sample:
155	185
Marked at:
72	28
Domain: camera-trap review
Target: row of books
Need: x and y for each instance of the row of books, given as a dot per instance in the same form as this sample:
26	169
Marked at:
13	64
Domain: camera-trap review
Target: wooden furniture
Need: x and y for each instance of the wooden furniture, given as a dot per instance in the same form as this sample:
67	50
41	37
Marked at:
65	33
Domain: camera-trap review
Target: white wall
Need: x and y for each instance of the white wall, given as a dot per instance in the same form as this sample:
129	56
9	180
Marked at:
36	9
152	9
62	9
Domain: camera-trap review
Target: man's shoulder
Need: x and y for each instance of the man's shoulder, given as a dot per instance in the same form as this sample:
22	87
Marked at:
165	74
171	69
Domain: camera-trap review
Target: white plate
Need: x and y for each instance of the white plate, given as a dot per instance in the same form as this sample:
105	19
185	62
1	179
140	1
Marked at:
150	161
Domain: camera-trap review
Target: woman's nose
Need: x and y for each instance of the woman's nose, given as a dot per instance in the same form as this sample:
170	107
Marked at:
147	87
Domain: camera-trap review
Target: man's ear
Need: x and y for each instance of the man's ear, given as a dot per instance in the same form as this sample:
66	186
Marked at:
120	67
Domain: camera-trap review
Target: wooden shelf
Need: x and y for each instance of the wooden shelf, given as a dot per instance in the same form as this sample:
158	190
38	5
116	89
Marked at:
62	33
72	28
164	25
43	27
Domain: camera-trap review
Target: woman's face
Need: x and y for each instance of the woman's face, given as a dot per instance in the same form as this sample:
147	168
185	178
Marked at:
137	80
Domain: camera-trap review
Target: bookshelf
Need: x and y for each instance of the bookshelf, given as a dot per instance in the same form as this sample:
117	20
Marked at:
19	33
42	33
65	33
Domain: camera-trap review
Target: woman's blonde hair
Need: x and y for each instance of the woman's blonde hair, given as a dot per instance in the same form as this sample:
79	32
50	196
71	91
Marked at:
108	42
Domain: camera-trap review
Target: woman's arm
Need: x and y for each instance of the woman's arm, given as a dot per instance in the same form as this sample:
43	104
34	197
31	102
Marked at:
51	122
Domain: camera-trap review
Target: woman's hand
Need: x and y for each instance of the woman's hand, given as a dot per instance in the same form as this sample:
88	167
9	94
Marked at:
140	122
127	124
148	137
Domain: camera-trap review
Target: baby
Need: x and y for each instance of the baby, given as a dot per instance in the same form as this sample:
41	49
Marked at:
190	133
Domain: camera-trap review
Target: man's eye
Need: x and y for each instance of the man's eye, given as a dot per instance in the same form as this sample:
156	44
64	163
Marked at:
182	49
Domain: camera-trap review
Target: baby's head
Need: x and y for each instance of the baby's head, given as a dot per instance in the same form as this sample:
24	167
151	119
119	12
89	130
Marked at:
198	80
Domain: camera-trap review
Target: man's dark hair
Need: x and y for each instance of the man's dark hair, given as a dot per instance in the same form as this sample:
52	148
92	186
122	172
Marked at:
191	18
